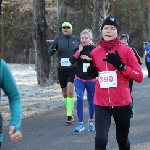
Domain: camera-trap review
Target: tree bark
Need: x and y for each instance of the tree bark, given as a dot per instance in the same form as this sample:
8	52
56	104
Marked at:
0	6
0	32
62	18
149	20
142	18
41	48
96	19
100	12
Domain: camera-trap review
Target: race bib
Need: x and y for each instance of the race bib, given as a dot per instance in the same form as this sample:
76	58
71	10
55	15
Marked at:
65	62
85	66
107	79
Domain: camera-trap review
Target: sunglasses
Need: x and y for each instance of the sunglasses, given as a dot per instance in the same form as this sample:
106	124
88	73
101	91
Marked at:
66	27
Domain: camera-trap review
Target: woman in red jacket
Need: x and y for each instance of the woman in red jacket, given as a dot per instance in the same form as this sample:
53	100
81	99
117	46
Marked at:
114	64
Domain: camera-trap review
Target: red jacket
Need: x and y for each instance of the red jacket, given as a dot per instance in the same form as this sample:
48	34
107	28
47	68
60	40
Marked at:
120	95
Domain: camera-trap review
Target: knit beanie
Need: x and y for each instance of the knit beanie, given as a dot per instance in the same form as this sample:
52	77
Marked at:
111	21
124	35
67	24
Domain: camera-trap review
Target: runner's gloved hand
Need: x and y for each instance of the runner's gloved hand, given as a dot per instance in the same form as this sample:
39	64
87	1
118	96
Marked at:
115	60
92	71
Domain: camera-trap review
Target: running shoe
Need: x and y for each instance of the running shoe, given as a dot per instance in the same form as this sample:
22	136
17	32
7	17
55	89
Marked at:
91	126
70	119
72	116
79	127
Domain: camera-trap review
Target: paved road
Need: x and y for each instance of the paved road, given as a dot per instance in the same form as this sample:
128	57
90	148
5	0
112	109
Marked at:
48	131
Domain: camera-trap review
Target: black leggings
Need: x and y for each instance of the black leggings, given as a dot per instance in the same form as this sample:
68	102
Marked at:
148	68
102	123
130	86
146	63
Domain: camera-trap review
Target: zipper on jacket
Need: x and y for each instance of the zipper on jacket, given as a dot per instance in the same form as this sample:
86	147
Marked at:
108	88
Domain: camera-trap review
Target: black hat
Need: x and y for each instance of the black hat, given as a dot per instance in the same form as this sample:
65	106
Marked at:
124	35
111	21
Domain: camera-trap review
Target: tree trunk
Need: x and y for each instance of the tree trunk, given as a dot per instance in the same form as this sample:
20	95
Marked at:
95	24
149	20
0	32
41	48
100	12
62	16
142	18
61	19
0	7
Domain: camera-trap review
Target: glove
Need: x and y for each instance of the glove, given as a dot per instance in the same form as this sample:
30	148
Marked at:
115	60
92	71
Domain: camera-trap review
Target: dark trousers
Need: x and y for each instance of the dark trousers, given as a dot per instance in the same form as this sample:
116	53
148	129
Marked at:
102	123
146	63
148	68
130	86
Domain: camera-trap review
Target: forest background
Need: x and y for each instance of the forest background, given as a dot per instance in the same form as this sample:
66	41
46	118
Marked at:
25	22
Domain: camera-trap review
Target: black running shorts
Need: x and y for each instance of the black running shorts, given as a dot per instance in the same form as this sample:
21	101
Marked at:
66	75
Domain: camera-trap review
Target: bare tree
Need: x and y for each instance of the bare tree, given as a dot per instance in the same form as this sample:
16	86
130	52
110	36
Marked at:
148	19
16	37
96	19
42	58
62	17
101	8
142	18
0	23
0	6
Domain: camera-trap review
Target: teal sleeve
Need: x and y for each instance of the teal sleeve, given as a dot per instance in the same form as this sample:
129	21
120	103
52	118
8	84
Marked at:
1	137
10	89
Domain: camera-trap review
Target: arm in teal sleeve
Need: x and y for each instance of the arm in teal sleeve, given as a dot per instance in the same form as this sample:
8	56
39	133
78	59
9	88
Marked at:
10	89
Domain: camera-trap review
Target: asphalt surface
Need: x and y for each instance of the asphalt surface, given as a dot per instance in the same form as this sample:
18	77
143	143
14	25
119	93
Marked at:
49	131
